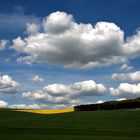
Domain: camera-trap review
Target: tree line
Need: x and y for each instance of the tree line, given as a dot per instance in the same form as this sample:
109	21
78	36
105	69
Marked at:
110	105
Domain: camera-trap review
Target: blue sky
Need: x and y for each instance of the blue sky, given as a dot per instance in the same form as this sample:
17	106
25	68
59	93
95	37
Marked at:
59	54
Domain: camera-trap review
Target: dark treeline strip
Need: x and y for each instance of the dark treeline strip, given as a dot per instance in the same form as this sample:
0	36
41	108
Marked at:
110	105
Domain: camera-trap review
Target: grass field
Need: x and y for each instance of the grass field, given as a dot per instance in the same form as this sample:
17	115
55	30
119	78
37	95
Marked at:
97	125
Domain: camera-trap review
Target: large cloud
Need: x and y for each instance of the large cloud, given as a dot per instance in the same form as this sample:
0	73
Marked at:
77	45
7	84
60	94
126	90
133	77
65	42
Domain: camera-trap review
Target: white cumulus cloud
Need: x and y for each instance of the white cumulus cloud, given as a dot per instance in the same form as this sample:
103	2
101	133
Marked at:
24	106
3	104
58	22
126	90
126	67
19	44
60	94
121	99
32	28
37	79
132	46
75	45
133	77
100	102
3	44
7	84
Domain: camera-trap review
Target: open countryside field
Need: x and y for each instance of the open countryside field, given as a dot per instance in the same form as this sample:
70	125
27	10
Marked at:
96	125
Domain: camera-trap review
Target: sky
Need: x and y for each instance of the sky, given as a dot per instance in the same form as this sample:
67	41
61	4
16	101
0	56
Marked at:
58	54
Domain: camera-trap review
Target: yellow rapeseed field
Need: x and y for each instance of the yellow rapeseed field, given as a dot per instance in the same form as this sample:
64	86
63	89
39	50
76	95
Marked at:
39	111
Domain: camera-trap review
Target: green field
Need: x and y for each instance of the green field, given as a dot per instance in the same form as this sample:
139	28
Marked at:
97	125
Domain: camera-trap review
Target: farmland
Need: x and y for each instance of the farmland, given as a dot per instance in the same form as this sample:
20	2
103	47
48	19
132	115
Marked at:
40	111
97	125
